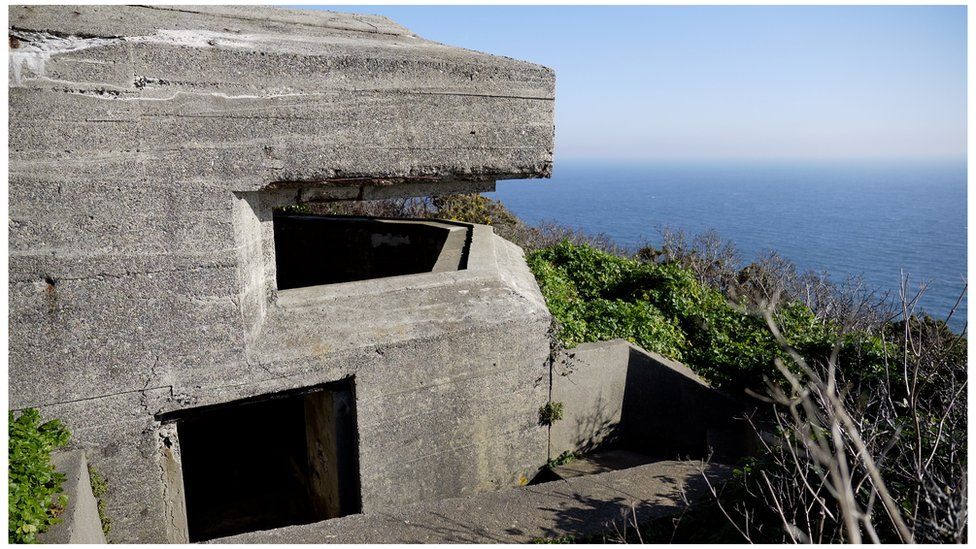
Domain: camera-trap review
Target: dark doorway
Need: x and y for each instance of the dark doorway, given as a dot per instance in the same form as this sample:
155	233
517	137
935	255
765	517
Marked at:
265	463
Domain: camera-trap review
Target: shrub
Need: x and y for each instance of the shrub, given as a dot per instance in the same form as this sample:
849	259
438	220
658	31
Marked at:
474	208
869	443
34	487
637	321
596	295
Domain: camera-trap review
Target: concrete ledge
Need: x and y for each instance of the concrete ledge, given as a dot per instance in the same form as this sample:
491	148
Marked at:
79	521
580	507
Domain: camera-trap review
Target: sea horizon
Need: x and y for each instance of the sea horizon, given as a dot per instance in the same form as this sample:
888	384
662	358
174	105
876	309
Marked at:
874	218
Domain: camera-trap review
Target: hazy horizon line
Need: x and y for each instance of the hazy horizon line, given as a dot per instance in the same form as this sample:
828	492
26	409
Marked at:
765	159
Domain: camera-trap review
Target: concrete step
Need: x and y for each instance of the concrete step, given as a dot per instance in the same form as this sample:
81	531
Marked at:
579	506
601	462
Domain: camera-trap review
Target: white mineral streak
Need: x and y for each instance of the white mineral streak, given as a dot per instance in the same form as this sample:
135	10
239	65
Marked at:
174	95
37	47
199	39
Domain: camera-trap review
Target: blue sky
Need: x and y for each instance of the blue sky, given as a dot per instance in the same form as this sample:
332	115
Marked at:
726	82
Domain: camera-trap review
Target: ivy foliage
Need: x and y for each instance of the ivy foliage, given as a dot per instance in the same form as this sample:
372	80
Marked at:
596	296
34	486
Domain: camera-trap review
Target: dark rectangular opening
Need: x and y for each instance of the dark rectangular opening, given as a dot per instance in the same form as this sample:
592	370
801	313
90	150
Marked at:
266	463
312	250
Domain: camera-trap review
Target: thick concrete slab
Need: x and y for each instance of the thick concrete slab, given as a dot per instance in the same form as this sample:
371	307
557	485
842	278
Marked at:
578	507
589	380
255	95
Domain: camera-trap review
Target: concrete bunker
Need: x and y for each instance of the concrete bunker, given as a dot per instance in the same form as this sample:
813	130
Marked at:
267	462
167	295
312	250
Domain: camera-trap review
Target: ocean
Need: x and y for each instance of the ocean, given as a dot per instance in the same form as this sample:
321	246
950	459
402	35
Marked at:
876	220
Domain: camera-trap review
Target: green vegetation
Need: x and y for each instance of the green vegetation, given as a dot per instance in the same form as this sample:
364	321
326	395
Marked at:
550	413
474	209
595	295
894	391
34	487
562	459
99	488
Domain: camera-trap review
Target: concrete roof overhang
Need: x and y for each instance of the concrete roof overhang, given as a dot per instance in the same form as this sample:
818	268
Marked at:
253	98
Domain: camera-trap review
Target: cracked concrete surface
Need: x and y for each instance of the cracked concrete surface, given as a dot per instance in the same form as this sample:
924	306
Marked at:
142	277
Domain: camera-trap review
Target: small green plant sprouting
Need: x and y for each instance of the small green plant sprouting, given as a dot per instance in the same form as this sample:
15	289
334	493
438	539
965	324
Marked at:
33	486
550	413
99	488
562	459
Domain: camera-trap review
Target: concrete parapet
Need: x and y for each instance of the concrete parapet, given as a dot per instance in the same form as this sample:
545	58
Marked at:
449	370
616	393
79	519
590	382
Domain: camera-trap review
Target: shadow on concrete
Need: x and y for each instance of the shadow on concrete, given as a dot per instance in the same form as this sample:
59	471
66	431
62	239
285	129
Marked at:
458	531
597	429
669	413
599	519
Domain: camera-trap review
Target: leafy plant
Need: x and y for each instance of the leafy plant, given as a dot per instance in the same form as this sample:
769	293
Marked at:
550	413
596	295
34	486
562	459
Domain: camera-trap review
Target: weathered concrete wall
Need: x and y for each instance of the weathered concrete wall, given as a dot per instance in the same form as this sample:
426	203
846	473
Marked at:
79	519
590	381
614	392
126	147
446	405
289	96
147	148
